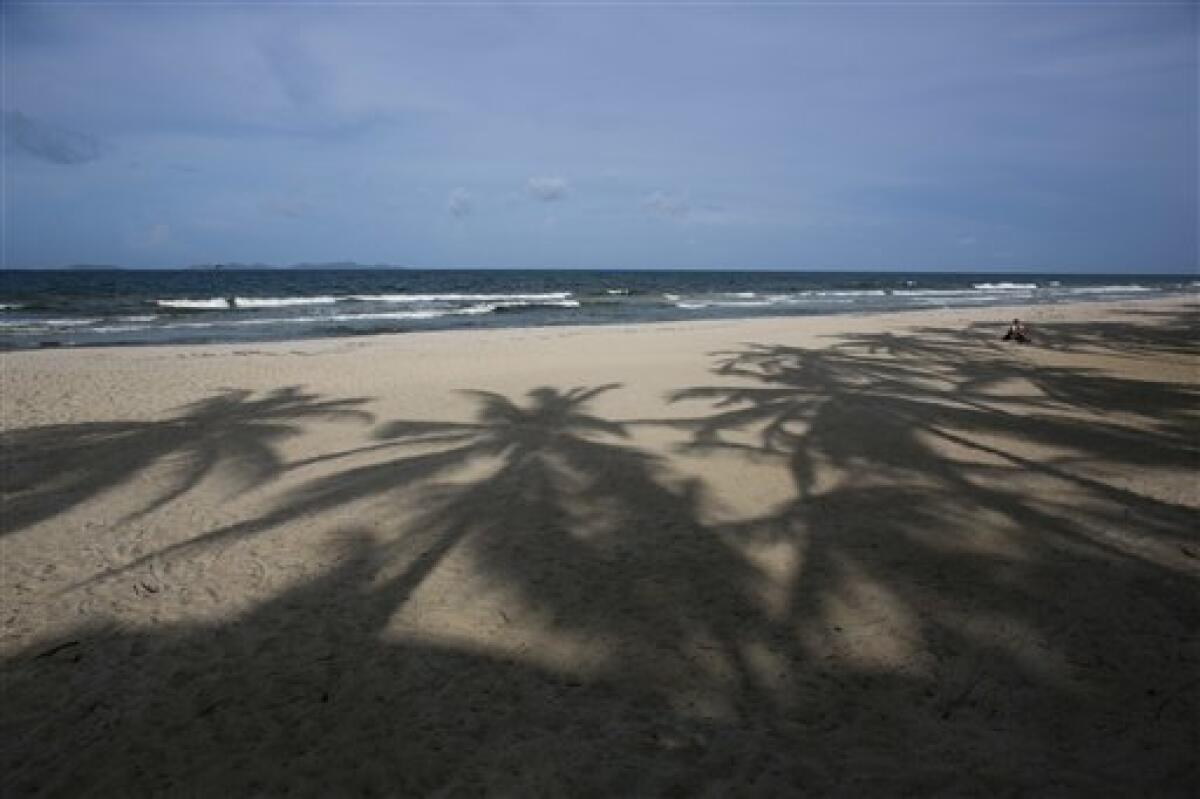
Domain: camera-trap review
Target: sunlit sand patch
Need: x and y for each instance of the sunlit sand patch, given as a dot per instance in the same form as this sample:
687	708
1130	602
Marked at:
970	530
1012	388
1119	529
739	490
973	450
1013	448
867	623
779	562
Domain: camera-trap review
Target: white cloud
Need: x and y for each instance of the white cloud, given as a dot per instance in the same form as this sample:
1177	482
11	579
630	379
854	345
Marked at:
150	238
292	206
460	203
48	143
666	205
547	189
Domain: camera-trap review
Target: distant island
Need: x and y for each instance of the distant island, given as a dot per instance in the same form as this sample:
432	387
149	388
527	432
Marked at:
222	267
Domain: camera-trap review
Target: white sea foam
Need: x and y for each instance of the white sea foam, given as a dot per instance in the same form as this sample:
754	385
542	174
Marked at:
746	302
854	293
823	294
616	291
44	323
770	300
471	310
413	315
67	322
128	324
474	309
382	298
6	306
538	304
1107	289
693	305
367	317
296	320
964	299
281	302
554	295
214	303
348	317
232	323
936	292
1005	286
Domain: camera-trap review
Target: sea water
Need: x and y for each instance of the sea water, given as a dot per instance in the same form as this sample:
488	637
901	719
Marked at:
121	307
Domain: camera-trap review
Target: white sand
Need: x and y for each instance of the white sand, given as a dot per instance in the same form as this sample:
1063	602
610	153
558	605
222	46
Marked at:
853	555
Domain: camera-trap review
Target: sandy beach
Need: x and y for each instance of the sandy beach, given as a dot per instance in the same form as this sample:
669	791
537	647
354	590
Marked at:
838	555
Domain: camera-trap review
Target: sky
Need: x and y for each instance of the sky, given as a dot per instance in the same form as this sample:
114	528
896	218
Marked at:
909	136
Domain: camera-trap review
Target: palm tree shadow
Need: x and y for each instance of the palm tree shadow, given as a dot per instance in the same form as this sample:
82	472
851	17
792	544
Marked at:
416	453
51	469
594	536
918	479
598	534
1141	332
304	693
936	619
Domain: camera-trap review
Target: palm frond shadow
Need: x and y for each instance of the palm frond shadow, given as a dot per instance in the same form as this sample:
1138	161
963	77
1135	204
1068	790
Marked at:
51	469
1139	333
914	478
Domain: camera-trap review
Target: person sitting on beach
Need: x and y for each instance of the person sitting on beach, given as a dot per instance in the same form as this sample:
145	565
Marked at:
1017	332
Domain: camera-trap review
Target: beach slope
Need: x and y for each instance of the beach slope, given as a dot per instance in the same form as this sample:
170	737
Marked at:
860	555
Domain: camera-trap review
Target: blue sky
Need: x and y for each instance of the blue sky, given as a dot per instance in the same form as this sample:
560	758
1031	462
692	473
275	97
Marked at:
1058	137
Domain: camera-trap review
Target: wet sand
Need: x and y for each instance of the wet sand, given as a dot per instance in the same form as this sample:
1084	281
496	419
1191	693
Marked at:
868	555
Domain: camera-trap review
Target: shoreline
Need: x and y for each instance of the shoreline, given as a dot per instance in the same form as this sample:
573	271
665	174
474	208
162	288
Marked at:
1030	314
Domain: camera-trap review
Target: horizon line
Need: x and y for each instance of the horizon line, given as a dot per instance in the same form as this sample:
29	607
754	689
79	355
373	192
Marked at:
350	266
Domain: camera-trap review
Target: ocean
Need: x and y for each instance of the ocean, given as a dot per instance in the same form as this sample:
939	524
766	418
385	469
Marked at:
129	307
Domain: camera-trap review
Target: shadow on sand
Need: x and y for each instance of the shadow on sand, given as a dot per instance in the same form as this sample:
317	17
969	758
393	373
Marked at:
50	469
959	600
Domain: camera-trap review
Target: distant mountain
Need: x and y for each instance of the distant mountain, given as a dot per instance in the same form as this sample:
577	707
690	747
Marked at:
344	265
235	267
93	267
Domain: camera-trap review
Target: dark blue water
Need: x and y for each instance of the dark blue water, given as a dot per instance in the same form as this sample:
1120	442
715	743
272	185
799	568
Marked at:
93	307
